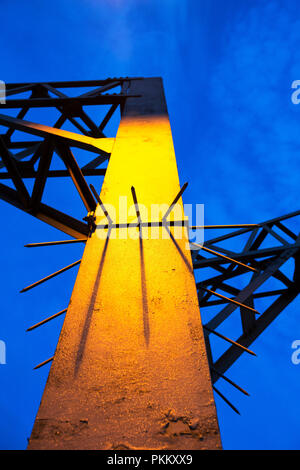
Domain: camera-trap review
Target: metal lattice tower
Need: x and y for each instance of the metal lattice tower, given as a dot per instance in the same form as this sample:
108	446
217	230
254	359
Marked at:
133	367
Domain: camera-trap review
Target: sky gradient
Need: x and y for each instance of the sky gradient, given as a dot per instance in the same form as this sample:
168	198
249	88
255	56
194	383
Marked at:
227	69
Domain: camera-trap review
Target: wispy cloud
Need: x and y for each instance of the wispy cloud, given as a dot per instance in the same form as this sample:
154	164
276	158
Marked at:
258	141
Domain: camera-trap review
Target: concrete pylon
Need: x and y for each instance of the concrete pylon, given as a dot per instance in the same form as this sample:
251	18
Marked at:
130	369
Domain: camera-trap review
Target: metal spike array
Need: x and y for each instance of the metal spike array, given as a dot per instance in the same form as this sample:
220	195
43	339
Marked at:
265	263
241	267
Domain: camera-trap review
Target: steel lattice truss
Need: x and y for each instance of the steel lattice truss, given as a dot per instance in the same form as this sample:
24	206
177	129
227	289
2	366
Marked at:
31	158
282	245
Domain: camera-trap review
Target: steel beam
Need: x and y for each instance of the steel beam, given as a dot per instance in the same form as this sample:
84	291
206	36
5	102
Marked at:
77	176
81	101
41	175
267	262
84	142
232	354
251	288
12	168
27	173
70	84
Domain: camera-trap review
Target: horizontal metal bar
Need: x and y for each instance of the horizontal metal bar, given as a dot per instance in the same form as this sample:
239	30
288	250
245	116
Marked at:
54	173
101	89
195	227
258	295
19	89
224	257
170	223
20	144
73	84
50	276
44	363
49	102
46	320
249	255
226	400
234	343
59	242
269	293
245	230
228	299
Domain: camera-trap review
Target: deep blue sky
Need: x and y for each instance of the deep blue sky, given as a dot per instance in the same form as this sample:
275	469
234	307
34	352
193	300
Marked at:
227	69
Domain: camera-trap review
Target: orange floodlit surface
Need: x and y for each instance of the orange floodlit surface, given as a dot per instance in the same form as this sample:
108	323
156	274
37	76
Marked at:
130	370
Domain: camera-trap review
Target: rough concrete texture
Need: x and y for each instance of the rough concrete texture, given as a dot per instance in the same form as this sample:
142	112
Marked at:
130	370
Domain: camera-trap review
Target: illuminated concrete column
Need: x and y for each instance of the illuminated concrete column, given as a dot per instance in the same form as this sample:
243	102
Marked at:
130	370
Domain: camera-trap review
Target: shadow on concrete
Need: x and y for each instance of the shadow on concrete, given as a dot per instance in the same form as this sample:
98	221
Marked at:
144	291
89	315
184	258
